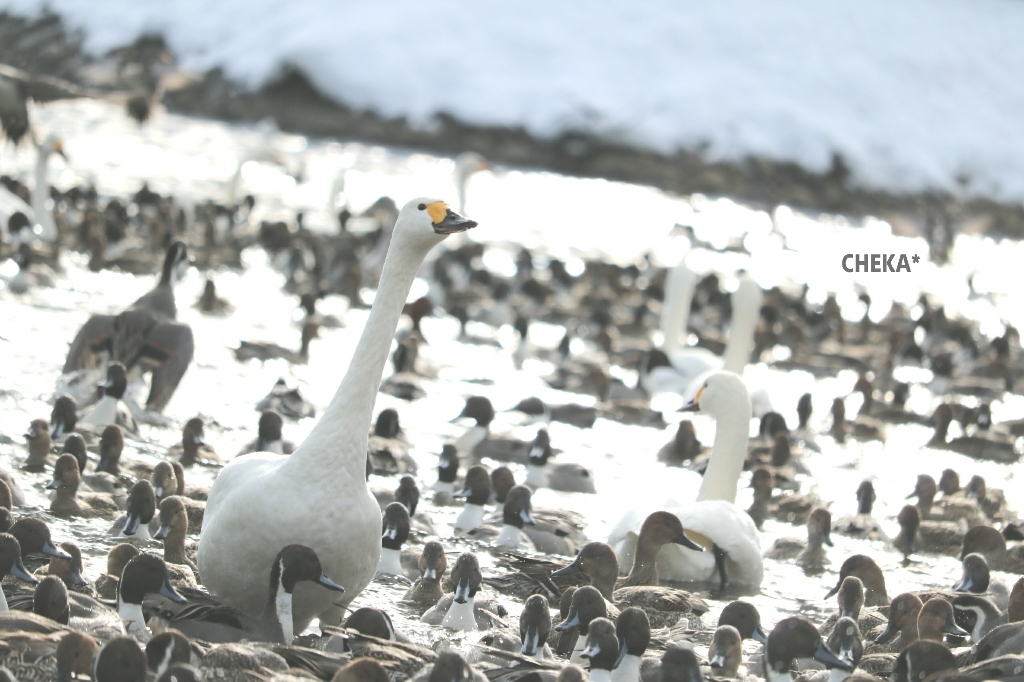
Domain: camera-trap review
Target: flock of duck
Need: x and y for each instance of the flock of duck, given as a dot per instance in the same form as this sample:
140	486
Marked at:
291	534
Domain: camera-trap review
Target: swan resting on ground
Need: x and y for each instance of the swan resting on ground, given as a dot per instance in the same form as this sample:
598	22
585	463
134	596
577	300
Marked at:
713	519
318	495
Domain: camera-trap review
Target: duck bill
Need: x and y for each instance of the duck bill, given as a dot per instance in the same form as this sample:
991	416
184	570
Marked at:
717	661
955	630
390	532
826	537
462	591
51	549
622	654
53	485
76	578
571	621
888	633
324	581
465	492
965	584
131	524
572	568
830	660
430	573
524	514
19	571
168	591
57	430
452	223
832	592
591	651
759	635
162	532
158	491
688	543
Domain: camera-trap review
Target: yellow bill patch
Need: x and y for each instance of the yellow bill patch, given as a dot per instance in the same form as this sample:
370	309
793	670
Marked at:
58	146
699	538
700	392
437	211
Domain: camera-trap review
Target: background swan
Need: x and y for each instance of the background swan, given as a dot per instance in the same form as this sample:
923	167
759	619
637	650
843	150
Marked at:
679	288
251	513
676	372
714	514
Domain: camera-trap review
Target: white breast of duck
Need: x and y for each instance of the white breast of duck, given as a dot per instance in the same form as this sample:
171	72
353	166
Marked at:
394	533
476	492
143	575
111	409
466	576
251	510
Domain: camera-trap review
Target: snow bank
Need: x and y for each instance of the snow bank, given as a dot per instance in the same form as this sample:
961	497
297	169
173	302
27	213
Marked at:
913	93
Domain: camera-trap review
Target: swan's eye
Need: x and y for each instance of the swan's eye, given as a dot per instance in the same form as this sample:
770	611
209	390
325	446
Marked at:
422	207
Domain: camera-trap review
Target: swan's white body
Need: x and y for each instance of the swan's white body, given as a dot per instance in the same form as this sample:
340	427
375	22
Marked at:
318	496
714	513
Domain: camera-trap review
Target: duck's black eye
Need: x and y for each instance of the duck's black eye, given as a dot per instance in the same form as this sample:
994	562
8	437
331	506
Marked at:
422	207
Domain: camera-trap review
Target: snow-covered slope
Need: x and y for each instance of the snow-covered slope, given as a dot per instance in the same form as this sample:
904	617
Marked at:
913	93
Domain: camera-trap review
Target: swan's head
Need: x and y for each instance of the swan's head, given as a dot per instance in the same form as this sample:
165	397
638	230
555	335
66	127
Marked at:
428	221
721	394
52	145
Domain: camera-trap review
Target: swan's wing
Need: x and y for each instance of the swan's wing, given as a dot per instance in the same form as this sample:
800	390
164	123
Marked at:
731	529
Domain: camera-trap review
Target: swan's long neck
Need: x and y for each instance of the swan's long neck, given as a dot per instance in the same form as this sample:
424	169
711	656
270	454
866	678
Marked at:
343	428
727	454
40	197
746	308
679	293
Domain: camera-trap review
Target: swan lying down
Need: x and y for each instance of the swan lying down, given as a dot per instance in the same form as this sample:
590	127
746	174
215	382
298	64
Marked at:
713	519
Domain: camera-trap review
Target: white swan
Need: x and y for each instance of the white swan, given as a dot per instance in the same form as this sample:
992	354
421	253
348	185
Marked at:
318	496
42	205
467	164
714	514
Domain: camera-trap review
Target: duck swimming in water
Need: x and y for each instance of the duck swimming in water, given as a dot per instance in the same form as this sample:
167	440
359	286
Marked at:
249	511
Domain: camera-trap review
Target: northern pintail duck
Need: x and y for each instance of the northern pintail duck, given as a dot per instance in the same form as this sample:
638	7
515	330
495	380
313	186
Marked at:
991	544
870	575
211	303
288	402
567	476
534	627
586	605
763	483
168	478
39	444
914	620
174	525
679	664
862	428
515	516
69	570
684	446
794	638
293	564
120	660
601	649
948	508
143	575
388	447
145	336
447	472
985	614
34	538
118	557
745	617
725	655
977	579
462	610
633	630
809	554
921	660
449	667
570	413
942	537
394	533
64	420
477	492
193	449
169	648
140	510
11	564
991	500
554	531
848	645
99	481
263	351
980	445
68	501
432	565
269	437
862	524
850	598
110	409
713	519
665	606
